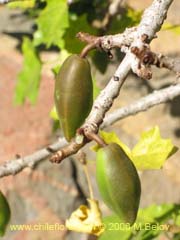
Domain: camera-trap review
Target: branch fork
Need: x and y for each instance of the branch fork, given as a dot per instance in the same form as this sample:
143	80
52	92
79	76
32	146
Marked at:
74	146
139	58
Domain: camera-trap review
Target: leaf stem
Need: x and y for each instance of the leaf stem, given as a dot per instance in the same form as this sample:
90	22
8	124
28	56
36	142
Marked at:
91	194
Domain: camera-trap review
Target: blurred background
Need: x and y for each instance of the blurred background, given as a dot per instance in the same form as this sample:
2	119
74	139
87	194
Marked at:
49	193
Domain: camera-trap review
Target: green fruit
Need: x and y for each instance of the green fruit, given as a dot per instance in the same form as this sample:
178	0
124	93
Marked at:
4	214
118	182
73	94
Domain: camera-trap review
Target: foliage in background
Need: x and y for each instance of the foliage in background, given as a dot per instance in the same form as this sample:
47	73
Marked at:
29	77
22	4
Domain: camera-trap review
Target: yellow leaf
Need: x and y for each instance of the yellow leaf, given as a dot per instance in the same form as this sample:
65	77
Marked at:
86	220
22	4
171	27
152	150
53	114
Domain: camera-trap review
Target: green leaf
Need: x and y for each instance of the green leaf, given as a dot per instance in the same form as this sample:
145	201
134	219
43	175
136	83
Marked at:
77	24
115	229
22	4
177	220
157	213
134	15
56	123
153	220
96	89
52	23
173	28
150	223
5	214
152	151
29	77
53	114
109	138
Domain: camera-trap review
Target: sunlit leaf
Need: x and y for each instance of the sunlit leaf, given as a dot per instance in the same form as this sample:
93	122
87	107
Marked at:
29	77
152	151
22	4
171	27
53	114
96	89
52	22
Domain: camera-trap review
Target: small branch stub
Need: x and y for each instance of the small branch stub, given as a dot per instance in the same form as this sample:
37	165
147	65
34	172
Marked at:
74	146
68	150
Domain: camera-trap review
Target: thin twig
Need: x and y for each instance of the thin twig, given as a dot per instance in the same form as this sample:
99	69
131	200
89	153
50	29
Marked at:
143	104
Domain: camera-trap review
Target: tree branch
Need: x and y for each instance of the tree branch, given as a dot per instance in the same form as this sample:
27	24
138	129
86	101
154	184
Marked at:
147	57
151	22
161	96
4	1
170	63
143	104
108	42
17	165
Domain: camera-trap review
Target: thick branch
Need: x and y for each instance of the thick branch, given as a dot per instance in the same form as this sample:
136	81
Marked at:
158	97
151	22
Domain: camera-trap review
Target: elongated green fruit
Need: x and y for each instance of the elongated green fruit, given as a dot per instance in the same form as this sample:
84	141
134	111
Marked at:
118	182
4	214
73	94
